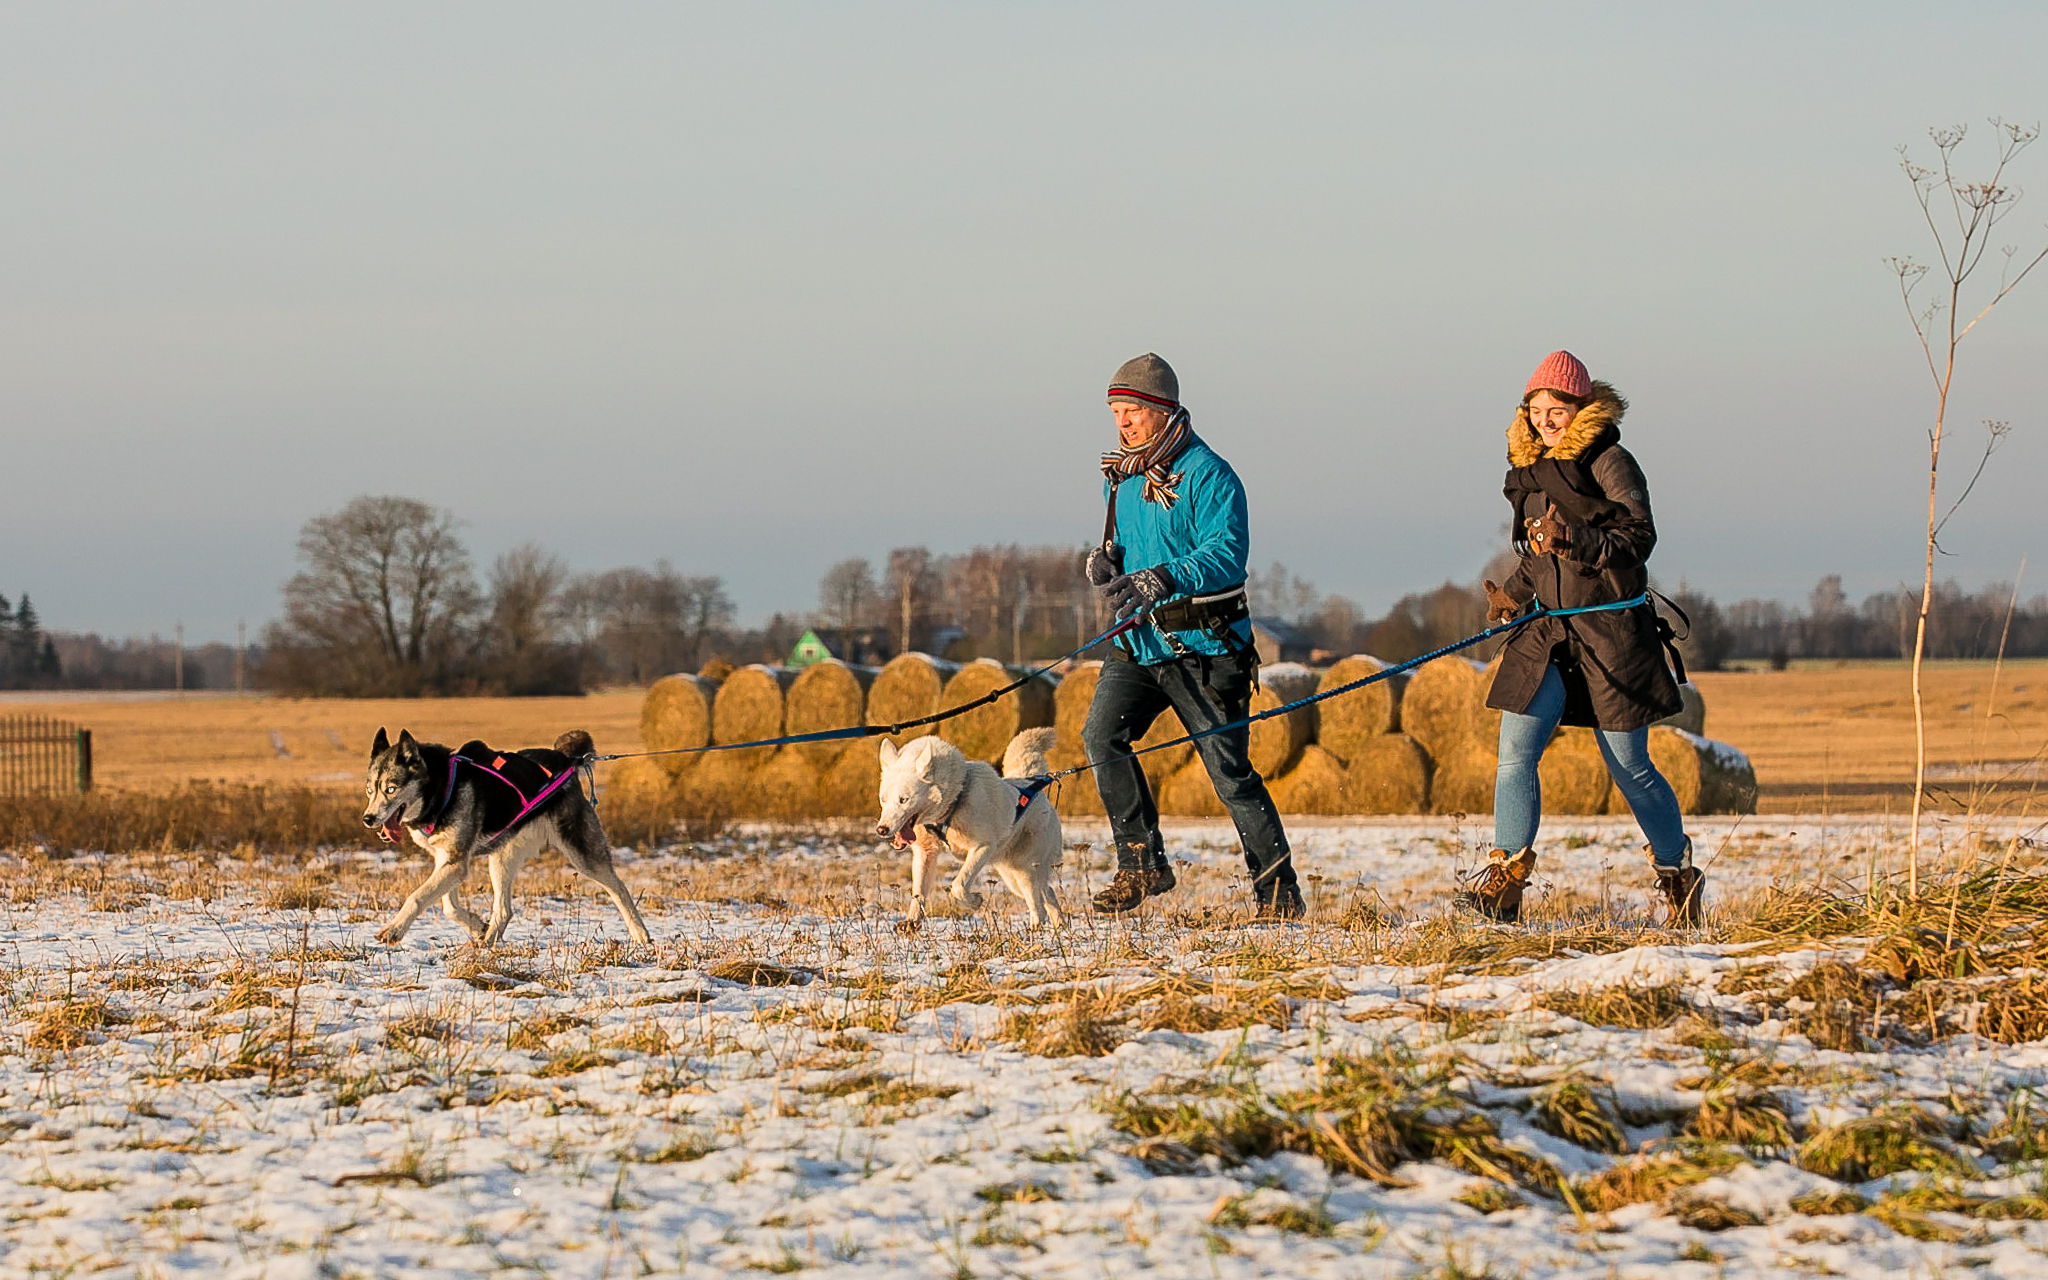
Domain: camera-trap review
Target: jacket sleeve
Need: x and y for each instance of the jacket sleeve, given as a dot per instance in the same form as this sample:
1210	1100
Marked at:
1519	587
1628	541
1222	532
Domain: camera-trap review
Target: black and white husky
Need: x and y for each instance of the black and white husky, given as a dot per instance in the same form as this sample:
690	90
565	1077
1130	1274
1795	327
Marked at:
505	806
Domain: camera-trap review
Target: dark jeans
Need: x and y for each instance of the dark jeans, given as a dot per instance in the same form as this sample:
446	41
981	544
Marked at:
1205	691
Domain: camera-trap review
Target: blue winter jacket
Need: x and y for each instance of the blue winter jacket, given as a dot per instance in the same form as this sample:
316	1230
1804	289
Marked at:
1201	541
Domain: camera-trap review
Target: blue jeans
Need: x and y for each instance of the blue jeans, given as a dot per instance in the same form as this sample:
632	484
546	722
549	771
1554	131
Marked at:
1518	794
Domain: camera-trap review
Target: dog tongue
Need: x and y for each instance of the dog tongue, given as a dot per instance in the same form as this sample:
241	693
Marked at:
393	831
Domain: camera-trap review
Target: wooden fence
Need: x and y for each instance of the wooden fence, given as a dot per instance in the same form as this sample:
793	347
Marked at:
39	756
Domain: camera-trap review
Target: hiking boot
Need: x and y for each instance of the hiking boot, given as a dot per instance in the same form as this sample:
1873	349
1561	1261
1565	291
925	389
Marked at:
1683	887
1284	903
1131	887
1495	890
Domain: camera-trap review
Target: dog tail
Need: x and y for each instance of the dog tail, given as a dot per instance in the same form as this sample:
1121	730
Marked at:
576	744
1026	756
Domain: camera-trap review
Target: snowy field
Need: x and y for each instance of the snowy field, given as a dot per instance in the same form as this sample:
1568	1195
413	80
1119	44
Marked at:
209	1068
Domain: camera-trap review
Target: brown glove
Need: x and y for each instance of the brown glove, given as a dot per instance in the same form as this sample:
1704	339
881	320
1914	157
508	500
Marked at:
1548	533
1499	606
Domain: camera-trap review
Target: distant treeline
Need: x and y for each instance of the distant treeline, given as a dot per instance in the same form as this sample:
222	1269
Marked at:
387	603
27	658
1962	624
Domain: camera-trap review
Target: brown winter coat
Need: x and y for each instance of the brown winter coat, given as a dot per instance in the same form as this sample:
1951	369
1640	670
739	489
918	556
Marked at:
1613	664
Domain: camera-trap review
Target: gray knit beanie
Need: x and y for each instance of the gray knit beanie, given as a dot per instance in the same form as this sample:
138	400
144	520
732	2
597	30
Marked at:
1146	380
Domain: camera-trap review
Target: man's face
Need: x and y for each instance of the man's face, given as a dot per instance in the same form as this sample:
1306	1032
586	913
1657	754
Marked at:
1136	424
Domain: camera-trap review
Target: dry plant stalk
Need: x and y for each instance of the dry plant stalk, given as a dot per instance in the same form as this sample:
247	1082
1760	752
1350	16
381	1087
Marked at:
1976	208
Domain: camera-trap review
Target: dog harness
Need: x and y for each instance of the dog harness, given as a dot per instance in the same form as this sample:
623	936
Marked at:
556	781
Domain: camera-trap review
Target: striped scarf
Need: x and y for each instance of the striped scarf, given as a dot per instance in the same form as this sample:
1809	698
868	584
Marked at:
1153	458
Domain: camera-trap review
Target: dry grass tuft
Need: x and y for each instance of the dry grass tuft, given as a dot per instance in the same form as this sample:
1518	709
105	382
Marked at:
1873	1146
574	1062
73	1023
1649	1178
2014	1011
758	973
1581	1113
1490	1198
1705	1213
1365	1117
1823	1204
491	970
1749	1118
298	895
1844	1000
1632	1008
532	1034
1081	1026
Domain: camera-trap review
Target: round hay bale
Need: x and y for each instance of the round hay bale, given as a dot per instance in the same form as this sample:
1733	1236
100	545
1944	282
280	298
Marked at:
1346	725
1692	717
676	714
1573	773
1442	706
1315	785
851	787
826	695
1277	743
1074	797
1070	715
750	707
985	732
1461	780
787	787
1388	774
639	783
1071	702
911	685
1707	776
722	784
1189	793
1163	764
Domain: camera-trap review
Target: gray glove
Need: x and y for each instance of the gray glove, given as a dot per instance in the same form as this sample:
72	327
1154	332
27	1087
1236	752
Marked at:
1133	591
1102	566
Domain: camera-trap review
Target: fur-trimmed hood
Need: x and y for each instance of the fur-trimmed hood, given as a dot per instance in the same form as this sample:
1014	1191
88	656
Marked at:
1599	423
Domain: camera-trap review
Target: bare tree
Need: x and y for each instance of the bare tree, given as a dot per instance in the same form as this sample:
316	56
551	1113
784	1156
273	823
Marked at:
644	625
908	579
526	584
1960	217
846	594
383	600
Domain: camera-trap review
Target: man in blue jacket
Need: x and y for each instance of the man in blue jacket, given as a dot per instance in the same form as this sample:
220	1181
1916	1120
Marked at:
1175	541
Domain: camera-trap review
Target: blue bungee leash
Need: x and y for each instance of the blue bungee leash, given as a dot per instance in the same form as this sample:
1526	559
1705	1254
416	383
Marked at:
1032	786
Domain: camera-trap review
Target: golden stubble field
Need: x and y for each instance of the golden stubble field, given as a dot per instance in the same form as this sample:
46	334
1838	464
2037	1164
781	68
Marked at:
1823	735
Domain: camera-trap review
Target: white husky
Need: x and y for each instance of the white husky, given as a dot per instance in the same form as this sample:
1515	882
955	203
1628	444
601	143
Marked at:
933	797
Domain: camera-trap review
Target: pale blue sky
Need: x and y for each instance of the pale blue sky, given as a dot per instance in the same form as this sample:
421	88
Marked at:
755	287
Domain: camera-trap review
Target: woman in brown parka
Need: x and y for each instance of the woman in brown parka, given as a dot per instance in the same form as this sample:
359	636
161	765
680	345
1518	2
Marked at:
1584	534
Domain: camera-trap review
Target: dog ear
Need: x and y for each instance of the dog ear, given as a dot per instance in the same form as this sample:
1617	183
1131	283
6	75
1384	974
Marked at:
889	753
407	746
381	745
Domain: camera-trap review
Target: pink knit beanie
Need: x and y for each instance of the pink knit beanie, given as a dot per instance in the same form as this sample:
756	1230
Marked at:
1560	371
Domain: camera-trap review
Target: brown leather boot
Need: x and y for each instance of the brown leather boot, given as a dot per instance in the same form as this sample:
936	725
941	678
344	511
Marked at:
1131	887
1495	890
1684	889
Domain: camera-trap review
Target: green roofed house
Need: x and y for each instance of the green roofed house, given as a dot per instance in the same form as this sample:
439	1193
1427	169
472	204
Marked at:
857	646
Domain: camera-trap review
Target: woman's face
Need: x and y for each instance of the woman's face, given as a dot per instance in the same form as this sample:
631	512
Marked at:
1550	416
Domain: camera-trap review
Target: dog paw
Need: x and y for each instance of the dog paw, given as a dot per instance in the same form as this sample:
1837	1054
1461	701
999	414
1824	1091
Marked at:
908	927
389	935
966	898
